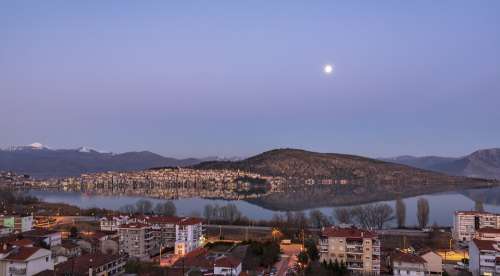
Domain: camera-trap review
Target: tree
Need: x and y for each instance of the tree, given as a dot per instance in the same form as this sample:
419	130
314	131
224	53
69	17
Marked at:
422	212
318	219
343	215
166	208
208	212
373	215
312	250
303	258
128	208
400	213
478	206
73	232
143	206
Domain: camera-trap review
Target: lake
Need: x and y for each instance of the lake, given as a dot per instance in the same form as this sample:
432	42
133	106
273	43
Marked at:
442	205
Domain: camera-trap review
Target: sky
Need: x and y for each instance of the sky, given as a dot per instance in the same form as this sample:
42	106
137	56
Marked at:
235	78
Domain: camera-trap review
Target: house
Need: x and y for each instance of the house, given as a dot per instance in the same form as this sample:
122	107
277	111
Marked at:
17	223
405	264
68	249
358	249
433	263
26	261
49	237
227	265
112	223
93	264
484	257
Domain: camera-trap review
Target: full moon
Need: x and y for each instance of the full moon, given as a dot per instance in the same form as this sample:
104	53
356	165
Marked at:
328	69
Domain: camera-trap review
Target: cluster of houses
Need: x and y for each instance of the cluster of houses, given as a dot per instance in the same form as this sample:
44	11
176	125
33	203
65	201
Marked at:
480	231
25	250
360	251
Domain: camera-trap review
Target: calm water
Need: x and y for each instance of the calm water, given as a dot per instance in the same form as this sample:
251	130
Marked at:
442	205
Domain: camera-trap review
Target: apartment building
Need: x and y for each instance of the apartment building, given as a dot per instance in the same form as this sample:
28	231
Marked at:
137	240
466	223
93	264
112	223
484	257
189	235
17	223
164	229
488	234
358	249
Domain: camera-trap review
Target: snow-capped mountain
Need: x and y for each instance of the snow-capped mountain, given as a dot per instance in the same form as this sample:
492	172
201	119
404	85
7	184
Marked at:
41	161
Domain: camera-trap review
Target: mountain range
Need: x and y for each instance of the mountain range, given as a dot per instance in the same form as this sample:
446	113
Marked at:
40	161
481	163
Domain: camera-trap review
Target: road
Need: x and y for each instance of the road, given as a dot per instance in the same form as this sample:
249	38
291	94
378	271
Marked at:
288	258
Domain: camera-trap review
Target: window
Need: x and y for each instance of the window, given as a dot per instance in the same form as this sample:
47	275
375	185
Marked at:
47	259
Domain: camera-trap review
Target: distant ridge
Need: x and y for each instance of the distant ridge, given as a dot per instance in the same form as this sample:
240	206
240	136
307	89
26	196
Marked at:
483	163
40	161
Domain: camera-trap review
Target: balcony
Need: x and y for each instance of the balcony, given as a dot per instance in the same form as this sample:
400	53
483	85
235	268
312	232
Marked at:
17	271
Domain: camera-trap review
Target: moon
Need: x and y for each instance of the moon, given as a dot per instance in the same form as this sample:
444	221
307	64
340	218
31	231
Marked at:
328	69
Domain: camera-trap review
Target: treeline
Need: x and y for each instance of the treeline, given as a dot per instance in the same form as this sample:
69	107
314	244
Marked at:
146	207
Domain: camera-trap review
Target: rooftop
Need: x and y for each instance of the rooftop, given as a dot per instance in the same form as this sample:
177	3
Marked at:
227	261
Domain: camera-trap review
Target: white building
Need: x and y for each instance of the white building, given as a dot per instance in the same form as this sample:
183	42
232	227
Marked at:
404	264
188	235
26	261
51	238
484	257
137	240
227	265
466	223
112	223
433	263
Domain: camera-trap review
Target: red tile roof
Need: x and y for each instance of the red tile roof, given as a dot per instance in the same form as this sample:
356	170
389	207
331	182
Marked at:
489	230
407	258
227	261
485	245
134	225
22	253
190	221
82	263
348	233
21	242
163	219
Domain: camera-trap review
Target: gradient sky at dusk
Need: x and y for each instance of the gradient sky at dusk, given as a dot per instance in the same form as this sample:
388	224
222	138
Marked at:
198	78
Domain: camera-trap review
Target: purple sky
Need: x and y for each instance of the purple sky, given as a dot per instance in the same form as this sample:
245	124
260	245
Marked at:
199	78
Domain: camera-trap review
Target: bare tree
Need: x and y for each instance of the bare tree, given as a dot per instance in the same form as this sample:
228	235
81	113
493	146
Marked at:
373	215
343	215
422	212
143	206
478	206
128	208
208	212
166	208
400	213
318	219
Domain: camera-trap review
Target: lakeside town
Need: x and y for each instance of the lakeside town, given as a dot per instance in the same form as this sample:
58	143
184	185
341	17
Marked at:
40	238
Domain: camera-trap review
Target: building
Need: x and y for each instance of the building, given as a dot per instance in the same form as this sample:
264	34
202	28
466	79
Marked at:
188	235
227	265
49	237
137	240
18	224
92	264
484	257
112	223
358	249
164	229
405	264
433	263
488	234
466	223
25	261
